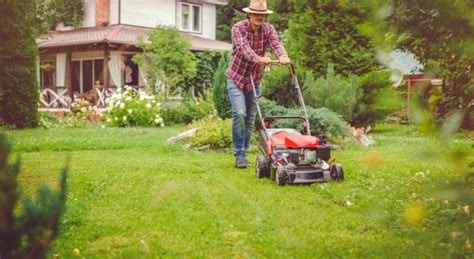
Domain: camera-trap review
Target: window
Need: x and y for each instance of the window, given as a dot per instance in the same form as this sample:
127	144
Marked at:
47	74
85	73
190	17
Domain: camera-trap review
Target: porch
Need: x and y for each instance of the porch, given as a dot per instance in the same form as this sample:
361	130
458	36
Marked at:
91	63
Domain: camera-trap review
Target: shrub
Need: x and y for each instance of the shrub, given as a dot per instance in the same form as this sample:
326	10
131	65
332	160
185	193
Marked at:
27	235
333	92
322	120
212	131
173	111
278	86
129	108
18	58
82	114
377	99
219	89
206	64
197	108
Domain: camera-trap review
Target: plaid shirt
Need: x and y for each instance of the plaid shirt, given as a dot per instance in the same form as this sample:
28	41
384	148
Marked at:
247	48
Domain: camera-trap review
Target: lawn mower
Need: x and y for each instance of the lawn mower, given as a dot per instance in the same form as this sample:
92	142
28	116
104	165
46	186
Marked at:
289	156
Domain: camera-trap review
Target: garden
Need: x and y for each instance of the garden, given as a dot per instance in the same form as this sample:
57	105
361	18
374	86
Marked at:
129	180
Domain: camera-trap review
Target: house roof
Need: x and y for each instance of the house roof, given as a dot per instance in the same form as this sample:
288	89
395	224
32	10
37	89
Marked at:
119	34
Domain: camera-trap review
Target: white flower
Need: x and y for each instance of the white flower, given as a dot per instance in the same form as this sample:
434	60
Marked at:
158	104
153	101
83	109
128	98
148	106
142	98
103	126
122	105
116	119
162	125
109	120
119	90
107	100
130	111
157	121
124	118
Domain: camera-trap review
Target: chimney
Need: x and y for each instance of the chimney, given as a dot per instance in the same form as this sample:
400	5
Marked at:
102	12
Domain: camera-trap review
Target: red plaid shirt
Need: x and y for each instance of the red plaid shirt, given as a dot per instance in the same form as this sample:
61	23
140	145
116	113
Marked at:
247	48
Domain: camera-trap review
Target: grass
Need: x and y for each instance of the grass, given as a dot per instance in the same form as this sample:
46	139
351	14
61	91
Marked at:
131	194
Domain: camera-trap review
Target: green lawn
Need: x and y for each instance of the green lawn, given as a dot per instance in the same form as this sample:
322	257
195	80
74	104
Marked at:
132	195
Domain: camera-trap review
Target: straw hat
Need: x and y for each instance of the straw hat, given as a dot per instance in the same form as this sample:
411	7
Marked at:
257	6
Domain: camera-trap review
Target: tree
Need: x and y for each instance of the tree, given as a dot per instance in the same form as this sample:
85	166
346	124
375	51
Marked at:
167	60
323	32
333	92
18	56
28	235
219	89
441	35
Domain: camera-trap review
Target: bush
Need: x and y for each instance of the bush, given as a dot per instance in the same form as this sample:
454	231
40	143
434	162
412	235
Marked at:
322	120
277	85
173	111
82	114
18	58
333	92
206	64
197	108
28	235
128	108
212	131
377	99
219	89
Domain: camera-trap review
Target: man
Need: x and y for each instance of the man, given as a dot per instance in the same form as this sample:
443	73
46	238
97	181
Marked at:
250	38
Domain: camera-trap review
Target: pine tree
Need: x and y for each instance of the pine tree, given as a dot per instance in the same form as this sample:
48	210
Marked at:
28	235
326	31
219	90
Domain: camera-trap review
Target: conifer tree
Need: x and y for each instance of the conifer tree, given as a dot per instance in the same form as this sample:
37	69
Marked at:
18	56
27	235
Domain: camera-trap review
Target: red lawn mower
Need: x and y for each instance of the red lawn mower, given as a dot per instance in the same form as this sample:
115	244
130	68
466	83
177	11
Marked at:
288	156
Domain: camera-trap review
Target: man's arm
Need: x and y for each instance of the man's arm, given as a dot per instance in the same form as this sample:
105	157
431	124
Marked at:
277	47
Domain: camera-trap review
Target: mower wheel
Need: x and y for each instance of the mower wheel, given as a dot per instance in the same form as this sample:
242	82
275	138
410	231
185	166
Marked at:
261	169
337	173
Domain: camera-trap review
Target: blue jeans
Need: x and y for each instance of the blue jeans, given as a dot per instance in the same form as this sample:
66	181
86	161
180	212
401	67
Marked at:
244	112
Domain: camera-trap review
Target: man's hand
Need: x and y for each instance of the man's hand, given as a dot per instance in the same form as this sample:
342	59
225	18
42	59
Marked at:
284	60
263	61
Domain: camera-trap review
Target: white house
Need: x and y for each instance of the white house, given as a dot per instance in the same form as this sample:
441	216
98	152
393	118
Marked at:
72	60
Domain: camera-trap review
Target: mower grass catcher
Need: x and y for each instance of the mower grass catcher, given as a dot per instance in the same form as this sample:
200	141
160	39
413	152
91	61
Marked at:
289	157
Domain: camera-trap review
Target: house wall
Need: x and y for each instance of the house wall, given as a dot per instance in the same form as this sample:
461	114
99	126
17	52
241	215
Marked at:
114	10
209	21
89	13
148	13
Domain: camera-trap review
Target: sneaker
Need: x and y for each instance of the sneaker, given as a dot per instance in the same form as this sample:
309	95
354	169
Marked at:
240	163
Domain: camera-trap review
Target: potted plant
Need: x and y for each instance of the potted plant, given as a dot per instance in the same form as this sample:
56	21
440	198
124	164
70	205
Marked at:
47	67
